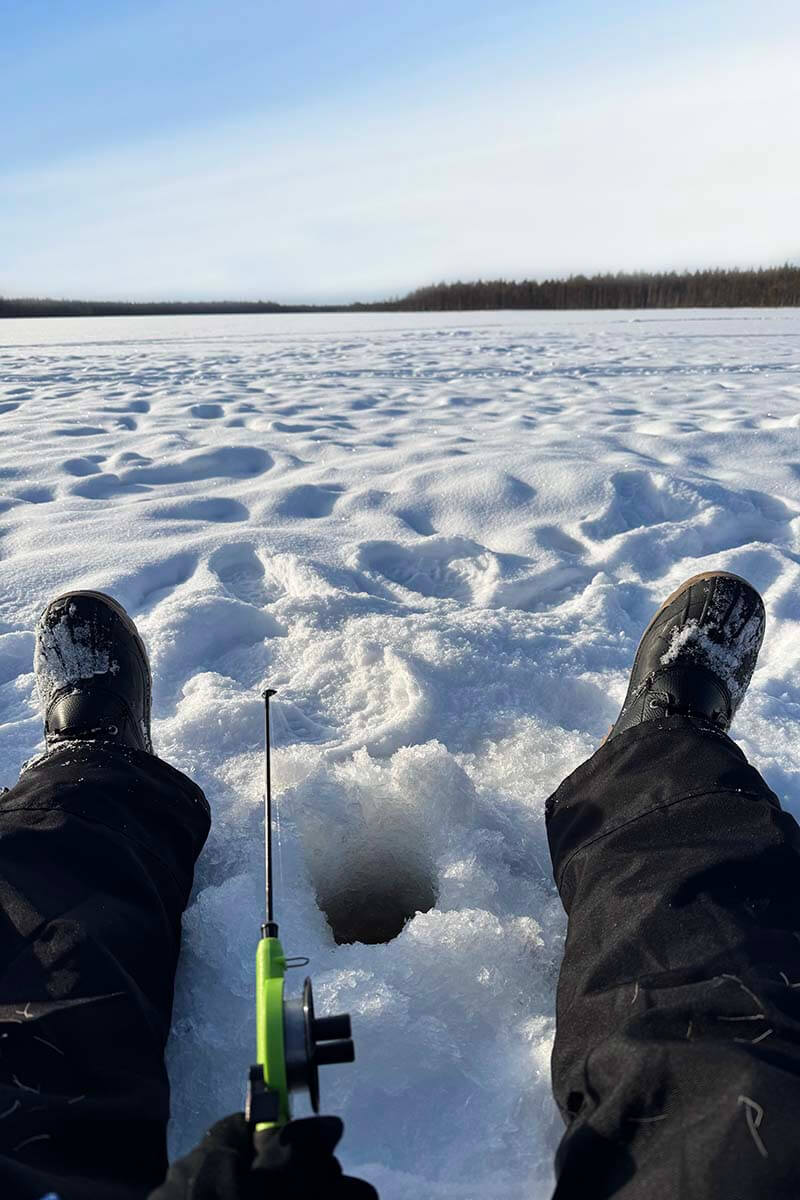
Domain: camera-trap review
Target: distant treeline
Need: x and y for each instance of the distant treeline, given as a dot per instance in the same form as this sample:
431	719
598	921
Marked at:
147	308
771	287
767	287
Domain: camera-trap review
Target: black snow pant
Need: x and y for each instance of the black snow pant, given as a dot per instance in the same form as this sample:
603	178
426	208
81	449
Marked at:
677	1056
676	1063
97	851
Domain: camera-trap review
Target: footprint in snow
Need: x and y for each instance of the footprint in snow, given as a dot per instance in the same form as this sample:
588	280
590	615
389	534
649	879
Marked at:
207	412
286	427
641	498
154	582
551	537
446	568
225	462
36	495
78	431
241	573
219	508
307	500
213	628
31	495
417	521
105	485
88	465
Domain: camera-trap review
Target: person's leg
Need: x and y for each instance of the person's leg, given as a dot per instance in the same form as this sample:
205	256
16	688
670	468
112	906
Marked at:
676	1063
98	842
677	1054
97	850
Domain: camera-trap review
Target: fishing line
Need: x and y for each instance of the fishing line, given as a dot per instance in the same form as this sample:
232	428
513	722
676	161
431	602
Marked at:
277	802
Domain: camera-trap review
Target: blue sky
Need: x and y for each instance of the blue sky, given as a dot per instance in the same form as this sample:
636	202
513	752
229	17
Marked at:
354	149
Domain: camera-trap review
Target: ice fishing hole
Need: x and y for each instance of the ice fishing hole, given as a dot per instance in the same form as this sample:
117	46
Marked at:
380	892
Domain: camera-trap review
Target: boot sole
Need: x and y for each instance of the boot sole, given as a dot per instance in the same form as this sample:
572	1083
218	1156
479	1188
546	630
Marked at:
687	583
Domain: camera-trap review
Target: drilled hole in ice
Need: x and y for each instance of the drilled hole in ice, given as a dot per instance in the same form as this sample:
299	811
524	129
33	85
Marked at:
378	895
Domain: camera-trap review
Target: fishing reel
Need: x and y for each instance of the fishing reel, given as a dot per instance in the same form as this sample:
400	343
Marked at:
313	1042
293	1043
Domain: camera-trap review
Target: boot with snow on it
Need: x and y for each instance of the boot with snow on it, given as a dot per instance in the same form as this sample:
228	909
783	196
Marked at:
697	655
92	673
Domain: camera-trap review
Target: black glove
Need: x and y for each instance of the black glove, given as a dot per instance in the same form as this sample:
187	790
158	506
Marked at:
294	1162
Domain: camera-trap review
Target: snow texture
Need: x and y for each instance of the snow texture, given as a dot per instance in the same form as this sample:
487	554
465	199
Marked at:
440	538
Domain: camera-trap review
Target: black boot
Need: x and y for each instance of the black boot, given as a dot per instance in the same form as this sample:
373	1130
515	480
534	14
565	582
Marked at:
92	673
697	654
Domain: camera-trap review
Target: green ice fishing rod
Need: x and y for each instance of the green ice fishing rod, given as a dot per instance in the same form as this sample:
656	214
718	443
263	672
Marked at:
291	1042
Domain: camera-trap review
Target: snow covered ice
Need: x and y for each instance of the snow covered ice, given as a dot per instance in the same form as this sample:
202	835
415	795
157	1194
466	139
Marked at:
440	538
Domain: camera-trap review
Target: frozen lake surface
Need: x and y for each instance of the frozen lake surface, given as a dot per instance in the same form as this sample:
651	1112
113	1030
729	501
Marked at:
440	538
